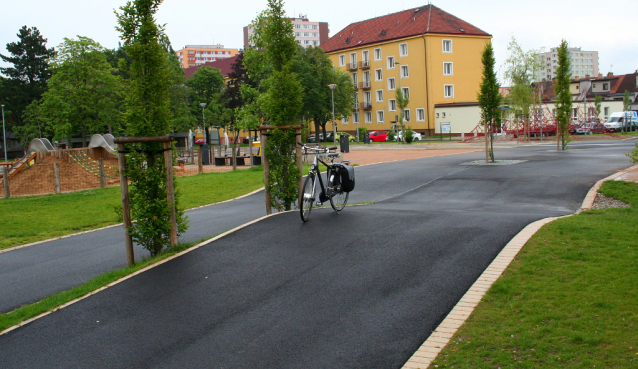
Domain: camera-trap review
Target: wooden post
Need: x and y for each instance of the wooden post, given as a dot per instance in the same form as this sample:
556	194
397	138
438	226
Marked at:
234	155
250	146
170	191
299	162
126	212
5	179
56	177
486	153
264	142
102	175
200	166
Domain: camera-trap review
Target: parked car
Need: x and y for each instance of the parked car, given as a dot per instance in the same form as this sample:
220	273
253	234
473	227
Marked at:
350	138
245	139
378	136
416	136
311	138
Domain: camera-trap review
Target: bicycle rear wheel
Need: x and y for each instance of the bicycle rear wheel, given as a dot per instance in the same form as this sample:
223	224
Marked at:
307	197
338	198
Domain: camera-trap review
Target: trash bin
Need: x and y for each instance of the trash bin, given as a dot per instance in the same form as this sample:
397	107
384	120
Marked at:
205	154
344	142
366	138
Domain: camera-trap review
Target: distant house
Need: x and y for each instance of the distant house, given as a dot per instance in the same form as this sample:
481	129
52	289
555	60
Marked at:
195	55
225	66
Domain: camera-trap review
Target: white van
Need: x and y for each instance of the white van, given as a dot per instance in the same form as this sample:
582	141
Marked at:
615	121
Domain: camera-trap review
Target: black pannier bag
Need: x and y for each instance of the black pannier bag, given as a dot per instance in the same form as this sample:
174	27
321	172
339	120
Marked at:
346	176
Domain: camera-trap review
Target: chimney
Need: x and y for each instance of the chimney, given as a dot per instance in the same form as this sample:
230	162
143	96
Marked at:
576	78
587	76
600	75
610	74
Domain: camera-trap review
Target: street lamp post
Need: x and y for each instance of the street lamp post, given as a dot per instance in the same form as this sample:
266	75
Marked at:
207	138
334	124
4	135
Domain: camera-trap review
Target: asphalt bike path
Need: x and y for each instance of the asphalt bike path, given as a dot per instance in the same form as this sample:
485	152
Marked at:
32	273
363	288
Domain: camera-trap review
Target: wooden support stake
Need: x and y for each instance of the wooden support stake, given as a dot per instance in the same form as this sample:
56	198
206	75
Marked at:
299	163
200	166
5	179
56	177
170	191
102	175
126	212
266	172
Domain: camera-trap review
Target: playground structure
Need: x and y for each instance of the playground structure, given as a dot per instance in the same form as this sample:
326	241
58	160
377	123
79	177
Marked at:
542	123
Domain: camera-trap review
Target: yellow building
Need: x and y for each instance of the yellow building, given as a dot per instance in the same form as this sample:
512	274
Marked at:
431	55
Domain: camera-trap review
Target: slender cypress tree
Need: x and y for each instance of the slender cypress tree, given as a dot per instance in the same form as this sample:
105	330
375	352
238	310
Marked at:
489	99
563	97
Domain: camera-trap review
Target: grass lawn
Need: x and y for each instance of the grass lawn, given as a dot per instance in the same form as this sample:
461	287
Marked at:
29	219
568	300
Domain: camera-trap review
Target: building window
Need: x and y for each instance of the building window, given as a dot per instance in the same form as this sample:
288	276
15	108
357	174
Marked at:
378	74
297	25
353	60
379	95
314	26
392	104
366	76
368	117
406	91
406	115
391	84
420	115
367	98
364	56
377	54
606	112
448	91
354	79
306	34
447	69
355	118
379	116
447	46
404	71
390	62
344	120
403	48
342	60
605	86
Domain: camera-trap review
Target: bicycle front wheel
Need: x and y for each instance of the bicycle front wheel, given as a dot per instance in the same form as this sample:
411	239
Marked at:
307	197
338	198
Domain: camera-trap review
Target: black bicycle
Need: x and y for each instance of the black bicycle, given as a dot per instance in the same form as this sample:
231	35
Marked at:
339	181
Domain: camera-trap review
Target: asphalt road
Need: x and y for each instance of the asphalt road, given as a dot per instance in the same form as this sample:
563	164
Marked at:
362	289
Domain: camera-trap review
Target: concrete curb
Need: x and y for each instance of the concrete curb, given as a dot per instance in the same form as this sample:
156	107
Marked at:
440	337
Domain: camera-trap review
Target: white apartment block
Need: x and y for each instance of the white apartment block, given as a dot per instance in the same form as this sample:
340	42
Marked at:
307	33
194	55
582	63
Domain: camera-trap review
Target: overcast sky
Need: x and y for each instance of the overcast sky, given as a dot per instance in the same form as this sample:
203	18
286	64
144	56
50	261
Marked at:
608	27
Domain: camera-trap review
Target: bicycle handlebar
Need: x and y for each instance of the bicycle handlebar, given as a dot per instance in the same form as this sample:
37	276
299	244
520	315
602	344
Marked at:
316	149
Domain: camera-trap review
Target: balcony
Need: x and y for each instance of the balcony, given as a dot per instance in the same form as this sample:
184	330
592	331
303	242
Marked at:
352	66
365	105
364	64
364	85
356	85
355	107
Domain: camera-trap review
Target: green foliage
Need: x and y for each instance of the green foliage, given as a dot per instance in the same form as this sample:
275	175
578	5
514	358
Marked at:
362	131
563	96
409	135
626	101
284	174
633	155
148	114
598	103
489	97
84	97
521	67
402	103
392	135
28	75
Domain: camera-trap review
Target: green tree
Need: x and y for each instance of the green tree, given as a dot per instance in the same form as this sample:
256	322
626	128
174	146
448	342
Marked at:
83	96
563	97
489	99
27	78
316	72
207	86
598	103
521	68
281	103
148	114
402	103
626	102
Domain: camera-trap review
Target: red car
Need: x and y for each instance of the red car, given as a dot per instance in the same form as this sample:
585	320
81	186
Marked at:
378	136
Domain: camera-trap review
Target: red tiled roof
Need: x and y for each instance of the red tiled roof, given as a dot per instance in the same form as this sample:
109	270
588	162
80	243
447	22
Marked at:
225	66
427	19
